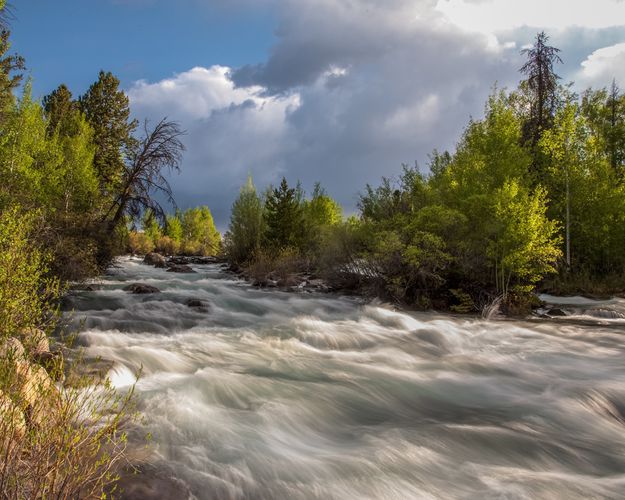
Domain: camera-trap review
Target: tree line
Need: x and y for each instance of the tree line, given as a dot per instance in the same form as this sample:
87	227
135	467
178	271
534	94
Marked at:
533	196
84	166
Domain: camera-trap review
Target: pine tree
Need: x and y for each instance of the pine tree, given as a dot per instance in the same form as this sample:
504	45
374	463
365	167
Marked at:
107	110
59	108
10	67
283	217
615	135
542	85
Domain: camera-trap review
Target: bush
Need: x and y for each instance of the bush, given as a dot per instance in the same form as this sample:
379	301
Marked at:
166	246
140	243
55	442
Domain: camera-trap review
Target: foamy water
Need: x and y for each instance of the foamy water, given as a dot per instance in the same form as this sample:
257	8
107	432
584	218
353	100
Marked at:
281	395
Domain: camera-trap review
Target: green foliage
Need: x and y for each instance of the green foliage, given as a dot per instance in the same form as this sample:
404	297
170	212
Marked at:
151	229
283	217
25	287
586	192
243	240
523	244
10	71
107	110
199	233
173	228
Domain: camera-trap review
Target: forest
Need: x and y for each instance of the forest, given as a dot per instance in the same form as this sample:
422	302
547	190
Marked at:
532	198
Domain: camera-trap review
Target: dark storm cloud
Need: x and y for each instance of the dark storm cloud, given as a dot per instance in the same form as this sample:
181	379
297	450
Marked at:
350	91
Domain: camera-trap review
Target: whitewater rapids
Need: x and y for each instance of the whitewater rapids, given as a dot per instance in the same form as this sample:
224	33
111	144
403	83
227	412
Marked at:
277	395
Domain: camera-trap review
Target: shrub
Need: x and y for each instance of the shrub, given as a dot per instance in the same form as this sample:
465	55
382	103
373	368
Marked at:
140	243
167	246
55	442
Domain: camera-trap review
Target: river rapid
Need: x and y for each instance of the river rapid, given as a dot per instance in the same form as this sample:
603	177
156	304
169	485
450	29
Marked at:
268	394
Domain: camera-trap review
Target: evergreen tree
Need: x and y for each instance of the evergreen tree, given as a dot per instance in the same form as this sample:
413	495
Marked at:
10	71
542	86
107	110
59	108
283	217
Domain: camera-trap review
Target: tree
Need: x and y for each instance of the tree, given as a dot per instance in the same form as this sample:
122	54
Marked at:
10	67
283	217
245	231
173	228
143	174
108	111
59	108
150	226
542	85
199	233
524	243
605	112
585	192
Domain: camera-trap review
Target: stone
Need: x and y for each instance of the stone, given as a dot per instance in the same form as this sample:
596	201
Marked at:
556	312
155	259
35	341
37	393
179	268
198	305
12	348
12	421
141	288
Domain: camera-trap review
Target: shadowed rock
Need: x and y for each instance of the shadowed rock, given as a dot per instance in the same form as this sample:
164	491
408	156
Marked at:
179	268
556	312
155	259
198	305
141	288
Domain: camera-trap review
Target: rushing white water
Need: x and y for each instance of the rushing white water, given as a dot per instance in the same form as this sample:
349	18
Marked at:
280	395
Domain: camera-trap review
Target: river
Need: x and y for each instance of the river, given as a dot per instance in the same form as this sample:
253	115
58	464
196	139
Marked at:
268	394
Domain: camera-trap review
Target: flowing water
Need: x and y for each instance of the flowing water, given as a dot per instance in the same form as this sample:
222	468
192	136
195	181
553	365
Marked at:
268	394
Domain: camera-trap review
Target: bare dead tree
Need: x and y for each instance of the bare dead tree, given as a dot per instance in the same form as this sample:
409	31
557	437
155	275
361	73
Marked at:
158	152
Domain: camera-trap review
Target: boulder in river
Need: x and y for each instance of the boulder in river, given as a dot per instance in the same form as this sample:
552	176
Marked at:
155	259
554	311
141	288
196	259
198	305
179	268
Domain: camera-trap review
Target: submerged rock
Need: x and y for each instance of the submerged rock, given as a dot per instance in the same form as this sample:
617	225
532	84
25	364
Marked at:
179	268
198	305
155	259
141	288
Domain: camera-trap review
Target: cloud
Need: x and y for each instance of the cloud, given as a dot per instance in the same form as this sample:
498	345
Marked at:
350	90
492	16
230	131
604	65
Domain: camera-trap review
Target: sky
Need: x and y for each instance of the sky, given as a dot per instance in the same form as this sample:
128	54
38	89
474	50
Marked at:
337	91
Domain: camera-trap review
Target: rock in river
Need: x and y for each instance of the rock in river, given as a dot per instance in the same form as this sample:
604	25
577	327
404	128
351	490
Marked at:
179	268
140	288
155	259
